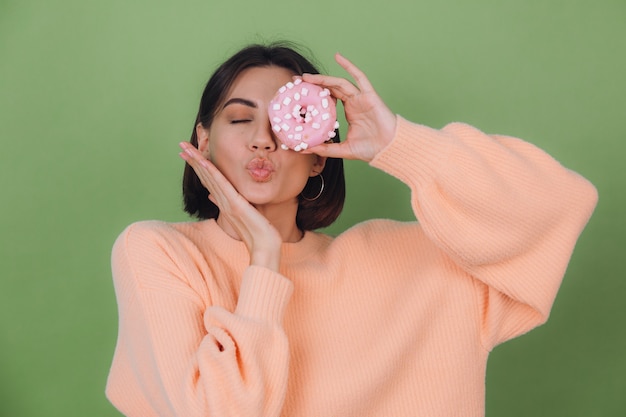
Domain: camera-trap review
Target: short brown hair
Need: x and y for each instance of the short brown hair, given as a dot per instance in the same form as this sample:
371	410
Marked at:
311	215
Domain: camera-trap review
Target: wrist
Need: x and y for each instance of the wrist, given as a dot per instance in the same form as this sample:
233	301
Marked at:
266	259
388	130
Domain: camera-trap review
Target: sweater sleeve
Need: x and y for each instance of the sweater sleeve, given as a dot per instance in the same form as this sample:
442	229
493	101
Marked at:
176	354
503	210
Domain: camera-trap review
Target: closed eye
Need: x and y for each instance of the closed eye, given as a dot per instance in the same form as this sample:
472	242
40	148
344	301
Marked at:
240	121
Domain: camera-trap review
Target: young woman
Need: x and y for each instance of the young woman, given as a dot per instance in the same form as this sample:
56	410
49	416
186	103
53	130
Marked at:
250	312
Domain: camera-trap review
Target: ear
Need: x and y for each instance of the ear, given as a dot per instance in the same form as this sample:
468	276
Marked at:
318	165
203	139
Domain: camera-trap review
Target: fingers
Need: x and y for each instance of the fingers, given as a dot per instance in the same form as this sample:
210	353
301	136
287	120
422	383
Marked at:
208	174
340	87
195	159
332	150
221	192
359	76
191	154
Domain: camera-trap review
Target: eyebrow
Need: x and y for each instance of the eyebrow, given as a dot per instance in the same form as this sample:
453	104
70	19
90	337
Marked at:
237	100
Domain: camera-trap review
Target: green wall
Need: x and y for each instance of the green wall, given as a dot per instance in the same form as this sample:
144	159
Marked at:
95	96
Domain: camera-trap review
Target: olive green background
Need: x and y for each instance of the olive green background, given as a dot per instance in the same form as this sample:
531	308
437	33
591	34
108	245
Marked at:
95	96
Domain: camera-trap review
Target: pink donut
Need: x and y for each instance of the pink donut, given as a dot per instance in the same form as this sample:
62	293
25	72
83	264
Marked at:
303	115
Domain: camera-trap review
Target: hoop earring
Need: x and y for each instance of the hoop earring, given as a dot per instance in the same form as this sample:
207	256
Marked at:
319	193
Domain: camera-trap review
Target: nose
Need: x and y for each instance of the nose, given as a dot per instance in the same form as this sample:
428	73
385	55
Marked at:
263	139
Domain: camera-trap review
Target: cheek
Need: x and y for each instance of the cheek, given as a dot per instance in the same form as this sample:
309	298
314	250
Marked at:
300	168
220	155
217	146
221	158
225	140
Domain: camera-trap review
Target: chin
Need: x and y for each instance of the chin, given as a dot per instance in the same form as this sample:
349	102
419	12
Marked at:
257	198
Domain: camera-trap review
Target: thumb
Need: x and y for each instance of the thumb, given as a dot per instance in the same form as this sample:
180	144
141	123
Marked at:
331	150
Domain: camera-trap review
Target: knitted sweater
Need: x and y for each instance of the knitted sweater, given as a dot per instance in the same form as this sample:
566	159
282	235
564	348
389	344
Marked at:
387	319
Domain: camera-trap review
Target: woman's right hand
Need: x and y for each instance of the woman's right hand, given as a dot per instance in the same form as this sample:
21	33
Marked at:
261	238
371	124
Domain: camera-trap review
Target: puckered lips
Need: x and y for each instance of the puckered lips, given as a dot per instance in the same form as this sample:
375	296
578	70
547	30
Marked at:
260	169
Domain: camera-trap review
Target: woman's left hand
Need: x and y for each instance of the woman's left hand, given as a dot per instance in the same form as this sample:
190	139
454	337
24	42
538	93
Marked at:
371	124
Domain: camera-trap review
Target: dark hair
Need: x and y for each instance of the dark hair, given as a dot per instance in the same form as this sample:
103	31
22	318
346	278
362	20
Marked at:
311	215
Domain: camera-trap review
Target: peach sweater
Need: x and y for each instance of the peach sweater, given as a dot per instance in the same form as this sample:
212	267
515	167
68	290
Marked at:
387	319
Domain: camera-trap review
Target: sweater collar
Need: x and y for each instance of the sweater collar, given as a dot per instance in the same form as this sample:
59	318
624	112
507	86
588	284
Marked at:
310	244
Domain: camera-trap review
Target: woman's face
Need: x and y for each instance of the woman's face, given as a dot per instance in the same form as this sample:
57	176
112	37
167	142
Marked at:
241	143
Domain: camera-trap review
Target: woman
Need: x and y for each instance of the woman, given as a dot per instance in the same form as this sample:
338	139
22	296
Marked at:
249	312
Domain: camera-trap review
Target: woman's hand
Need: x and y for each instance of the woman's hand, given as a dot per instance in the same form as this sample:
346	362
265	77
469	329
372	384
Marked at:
261	238
371	125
